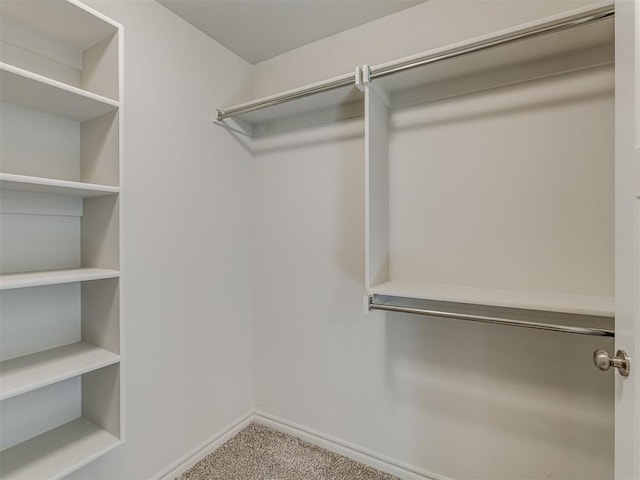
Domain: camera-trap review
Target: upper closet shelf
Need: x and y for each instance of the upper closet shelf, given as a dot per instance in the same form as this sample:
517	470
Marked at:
68	21
26	89
24	183
320	96
558	40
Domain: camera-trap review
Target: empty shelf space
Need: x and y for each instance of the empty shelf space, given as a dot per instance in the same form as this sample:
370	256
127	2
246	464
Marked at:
529	300
54	277
58	452
23	374
26	89
68	22
25	183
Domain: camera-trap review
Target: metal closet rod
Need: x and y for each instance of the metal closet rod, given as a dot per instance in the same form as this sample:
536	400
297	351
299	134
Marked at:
598	332
287	97
526	33
501	40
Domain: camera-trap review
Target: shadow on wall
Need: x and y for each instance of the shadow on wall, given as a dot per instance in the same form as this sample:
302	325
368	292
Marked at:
312	180
542	94
503	390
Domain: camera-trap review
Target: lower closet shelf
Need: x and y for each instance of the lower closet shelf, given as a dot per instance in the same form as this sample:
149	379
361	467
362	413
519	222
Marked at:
598	306
24	374
56	453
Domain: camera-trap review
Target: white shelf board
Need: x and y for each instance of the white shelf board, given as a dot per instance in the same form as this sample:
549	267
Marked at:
36	92
24	374
530	300
54	277
23	183
58	452
68	21
519	54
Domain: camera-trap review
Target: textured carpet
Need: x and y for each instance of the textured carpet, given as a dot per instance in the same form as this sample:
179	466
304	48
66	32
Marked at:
261	453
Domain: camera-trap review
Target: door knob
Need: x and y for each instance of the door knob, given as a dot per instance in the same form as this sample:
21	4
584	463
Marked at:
603	361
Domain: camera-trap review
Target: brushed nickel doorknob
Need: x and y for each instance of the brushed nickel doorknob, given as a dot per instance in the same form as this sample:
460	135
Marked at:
603	361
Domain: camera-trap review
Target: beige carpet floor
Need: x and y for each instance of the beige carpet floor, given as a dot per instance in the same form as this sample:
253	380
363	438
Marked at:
261	453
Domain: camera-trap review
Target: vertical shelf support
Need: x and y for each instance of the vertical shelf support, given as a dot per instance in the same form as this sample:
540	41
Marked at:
376	183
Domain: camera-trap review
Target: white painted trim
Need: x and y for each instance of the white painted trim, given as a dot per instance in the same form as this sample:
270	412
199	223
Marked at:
372	459
367	457
194	456
121	205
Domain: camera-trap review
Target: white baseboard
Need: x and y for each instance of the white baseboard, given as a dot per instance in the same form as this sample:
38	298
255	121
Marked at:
204	449
367	457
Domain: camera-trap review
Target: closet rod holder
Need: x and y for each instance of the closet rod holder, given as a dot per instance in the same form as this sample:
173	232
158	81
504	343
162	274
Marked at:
501	40
598	332
286	97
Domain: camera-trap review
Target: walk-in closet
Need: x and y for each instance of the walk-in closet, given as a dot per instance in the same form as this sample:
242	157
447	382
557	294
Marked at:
319	239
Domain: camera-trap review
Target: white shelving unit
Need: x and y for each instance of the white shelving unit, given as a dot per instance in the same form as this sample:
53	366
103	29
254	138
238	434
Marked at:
529	222
60	226
529	213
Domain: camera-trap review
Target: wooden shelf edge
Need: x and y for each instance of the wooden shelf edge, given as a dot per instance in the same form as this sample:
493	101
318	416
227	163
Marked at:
54	277
24	374
527	300
25	183
58	452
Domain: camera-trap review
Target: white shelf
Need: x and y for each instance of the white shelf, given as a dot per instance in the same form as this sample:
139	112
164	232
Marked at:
26	89
23	374
543	301
56	453
54	277
23	183
62	70
67	21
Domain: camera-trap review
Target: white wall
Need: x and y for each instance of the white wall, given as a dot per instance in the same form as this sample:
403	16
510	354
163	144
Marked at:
452	398
456	399
186	271
432	24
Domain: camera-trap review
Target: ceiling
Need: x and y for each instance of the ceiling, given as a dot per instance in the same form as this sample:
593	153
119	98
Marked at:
257	30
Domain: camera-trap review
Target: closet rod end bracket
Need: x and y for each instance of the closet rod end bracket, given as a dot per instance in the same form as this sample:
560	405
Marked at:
368	300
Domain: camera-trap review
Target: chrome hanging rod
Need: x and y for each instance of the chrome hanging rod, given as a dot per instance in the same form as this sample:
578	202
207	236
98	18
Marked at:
598	332
501	40
390	69
314	89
